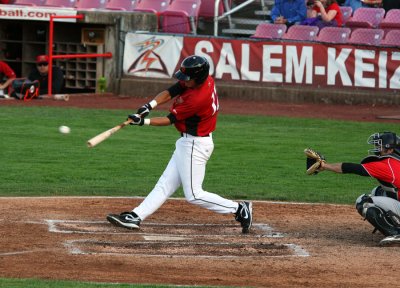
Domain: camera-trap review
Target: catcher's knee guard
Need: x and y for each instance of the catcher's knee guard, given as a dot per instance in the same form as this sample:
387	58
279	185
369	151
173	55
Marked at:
387	223
360	203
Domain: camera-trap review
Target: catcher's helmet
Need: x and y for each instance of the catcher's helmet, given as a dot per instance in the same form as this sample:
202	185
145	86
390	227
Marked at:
193	67
384	140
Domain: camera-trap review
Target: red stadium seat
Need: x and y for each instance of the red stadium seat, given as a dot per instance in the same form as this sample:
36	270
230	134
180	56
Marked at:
269	31
347	11
366	18
60	3
301	32
155	6
391	20
29	2
207	8
123	5
392	38
90	4
366	36
334	35
181	17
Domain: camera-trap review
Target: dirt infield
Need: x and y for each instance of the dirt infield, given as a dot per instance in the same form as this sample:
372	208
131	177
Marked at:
291	244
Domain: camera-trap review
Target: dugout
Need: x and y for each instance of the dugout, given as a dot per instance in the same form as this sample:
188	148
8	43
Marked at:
22	38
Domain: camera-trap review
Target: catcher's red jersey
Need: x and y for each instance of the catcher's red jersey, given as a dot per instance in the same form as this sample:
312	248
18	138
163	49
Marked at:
196	109
387	170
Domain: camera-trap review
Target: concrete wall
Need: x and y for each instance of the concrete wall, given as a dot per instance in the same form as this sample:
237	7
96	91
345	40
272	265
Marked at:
145	87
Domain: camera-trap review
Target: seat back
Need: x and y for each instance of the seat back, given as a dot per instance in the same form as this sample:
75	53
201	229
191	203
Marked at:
207	8
334	34
123	5
29	2
181	17
366	17
302	32
90	4
60	3
270	31
155	6
391	20
347	12
366	36
392	38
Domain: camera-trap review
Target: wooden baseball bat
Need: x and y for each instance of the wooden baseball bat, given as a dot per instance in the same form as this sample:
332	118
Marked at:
106	134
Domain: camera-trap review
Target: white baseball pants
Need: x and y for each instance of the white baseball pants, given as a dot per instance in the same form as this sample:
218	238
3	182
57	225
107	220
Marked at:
186	167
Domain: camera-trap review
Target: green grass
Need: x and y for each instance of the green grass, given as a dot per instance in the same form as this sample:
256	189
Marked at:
255	157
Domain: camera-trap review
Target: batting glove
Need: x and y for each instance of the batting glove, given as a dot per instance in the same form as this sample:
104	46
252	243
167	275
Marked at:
144	111
136	119
146	108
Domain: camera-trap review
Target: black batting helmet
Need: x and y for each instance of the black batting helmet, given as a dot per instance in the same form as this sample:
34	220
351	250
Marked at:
384	140
193	67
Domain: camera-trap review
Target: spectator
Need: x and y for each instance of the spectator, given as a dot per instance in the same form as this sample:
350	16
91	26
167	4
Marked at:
7	76
326	13
288	12
41	73
354	4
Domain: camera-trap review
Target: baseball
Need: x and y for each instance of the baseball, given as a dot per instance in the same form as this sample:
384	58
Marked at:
64	129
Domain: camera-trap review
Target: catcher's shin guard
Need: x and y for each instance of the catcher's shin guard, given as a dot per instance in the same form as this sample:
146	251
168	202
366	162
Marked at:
387	223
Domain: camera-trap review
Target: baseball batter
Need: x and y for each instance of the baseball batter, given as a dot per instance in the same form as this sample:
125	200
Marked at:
194	113
381	207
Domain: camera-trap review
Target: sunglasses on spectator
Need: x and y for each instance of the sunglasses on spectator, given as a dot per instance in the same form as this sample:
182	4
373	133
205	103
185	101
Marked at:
42	64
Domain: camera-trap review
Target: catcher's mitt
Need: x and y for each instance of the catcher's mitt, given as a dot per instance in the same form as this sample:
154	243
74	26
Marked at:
314	160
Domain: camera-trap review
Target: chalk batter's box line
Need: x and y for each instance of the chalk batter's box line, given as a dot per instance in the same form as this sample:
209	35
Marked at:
52	227
297	251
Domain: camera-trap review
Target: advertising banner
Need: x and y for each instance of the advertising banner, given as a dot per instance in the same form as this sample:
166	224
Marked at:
281	62
17	12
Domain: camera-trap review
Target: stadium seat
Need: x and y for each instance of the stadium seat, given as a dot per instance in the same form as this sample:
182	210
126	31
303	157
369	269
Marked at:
90	4
155	6
269	31
29	2
392	38
366	36
347	11
391	20
181	17
366	18
60	3
207	8
123	5
301	32
334	35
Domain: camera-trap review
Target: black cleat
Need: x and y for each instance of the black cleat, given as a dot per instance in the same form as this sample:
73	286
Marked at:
127	220
244	215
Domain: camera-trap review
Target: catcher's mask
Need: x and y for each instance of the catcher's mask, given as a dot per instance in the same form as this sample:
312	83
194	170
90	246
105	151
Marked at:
193	67
384	140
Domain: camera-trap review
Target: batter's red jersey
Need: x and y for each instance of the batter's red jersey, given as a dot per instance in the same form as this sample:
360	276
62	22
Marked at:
196	109
385	169
6	70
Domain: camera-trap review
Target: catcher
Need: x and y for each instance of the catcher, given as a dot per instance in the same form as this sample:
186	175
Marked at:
381	207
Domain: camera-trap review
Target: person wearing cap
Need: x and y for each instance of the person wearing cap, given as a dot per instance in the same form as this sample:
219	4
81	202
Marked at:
41	74
7	76
194	112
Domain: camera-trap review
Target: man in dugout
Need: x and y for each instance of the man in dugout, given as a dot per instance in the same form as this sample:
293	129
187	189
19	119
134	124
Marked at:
381	207
41	74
